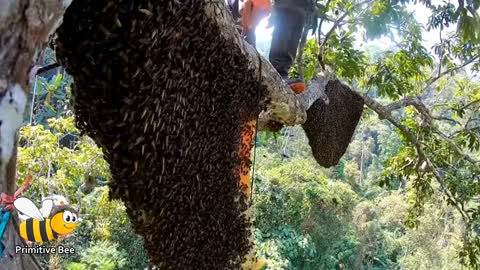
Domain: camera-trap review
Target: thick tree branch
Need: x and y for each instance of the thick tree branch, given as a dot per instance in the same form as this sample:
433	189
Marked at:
283	105
315	91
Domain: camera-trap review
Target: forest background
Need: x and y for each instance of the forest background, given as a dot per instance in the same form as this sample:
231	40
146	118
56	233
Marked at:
377	209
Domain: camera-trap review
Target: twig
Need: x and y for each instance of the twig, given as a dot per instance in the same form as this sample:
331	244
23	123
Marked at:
321	21
338	22
441	52
442	118
79	199
301	48
384	113
335	25
33	99
47	68
470	104
319	59
457	149
434	79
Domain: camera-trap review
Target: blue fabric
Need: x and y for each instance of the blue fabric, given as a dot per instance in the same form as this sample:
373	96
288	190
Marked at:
4	217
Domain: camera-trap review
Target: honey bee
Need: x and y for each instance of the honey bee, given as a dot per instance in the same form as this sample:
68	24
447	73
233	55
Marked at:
62	220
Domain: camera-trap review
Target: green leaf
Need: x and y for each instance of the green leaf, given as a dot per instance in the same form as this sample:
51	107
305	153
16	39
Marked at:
57	81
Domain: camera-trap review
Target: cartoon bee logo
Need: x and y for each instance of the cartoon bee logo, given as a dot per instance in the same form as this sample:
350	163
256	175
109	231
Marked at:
50	223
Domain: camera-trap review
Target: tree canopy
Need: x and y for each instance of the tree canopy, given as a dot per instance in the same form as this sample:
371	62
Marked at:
406	193
430	94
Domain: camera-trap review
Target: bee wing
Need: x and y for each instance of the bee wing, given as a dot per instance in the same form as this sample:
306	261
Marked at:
47	206
28	208
23	217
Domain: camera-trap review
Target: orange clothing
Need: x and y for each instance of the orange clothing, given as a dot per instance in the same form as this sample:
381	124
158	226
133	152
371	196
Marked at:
253	12
245	153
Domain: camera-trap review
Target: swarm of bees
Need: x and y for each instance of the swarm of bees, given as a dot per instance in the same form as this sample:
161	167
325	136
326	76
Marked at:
166	96
330	128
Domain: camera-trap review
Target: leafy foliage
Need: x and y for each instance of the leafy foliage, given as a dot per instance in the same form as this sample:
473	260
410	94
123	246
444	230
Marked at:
45	153
380	18
401	198
101	255
348	62
104	238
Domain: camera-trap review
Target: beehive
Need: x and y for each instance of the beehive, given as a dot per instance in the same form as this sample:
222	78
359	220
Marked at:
166	97
329	128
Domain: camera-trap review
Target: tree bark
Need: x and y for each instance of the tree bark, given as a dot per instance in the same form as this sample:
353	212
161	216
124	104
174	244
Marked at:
25	28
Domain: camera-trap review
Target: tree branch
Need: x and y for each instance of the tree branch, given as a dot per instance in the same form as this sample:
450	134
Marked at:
417	103
46	68
475	162
471	103
283	105
424	111
322	19
441	51
25	28
434	79
385	113
301	48
335	25
338	22
405	102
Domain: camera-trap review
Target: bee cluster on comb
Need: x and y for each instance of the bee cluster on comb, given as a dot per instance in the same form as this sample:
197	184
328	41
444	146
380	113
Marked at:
329	128
165	96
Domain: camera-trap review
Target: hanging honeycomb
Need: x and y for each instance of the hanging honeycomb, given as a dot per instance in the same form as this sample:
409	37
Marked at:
166	97
329	128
